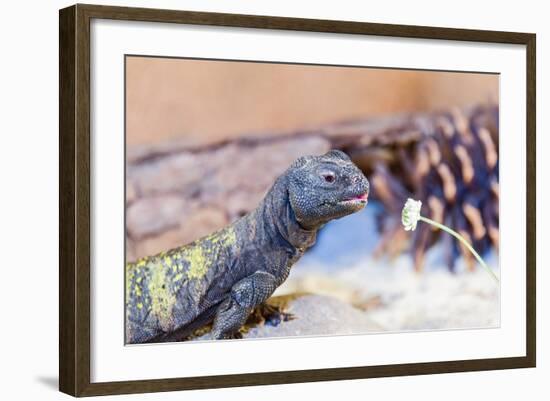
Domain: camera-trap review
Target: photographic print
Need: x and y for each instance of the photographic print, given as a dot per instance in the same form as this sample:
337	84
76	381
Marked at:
267	200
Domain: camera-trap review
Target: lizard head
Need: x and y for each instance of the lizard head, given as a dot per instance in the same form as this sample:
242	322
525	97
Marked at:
327	187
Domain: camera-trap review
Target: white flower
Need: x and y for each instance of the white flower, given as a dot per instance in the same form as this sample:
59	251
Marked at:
411	214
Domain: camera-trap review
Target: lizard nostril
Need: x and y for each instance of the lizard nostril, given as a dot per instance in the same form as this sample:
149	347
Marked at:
359	180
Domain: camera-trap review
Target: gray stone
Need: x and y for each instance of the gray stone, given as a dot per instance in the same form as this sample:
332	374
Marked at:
318	315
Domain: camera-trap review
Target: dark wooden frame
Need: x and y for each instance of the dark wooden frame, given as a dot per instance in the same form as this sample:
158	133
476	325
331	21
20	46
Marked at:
74	199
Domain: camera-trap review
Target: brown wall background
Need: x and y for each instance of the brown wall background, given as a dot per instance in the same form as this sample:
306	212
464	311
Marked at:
201	101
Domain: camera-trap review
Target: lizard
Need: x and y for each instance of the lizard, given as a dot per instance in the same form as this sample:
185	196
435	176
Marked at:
219	279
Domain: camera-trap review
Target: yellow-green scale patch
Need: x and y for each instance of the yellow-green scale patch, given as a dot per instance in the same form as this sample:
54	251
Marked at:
135	274
161	296
225	237
130	272
153	282
202	255
198	262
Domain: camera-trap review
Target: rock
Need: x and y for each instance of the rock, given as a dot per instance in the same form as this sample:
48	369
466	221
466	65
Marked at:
195	224
153	215
181	173
130	250
151	246
201	222
255	168
221	170
321	283
312	315
131	193
238	203
318	315
139	153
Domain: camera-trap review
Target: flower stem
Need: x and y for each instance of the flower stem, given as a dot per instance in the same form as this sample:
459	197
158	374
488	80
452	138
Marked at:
461	239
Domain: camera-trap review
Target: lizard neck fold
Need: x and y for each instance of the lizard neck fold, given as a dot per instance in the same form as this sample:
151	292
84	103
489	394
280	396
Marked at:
278	215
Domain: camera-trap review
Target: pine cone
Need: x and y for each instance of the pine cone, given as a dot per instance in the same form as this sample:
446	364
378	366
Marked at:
449	161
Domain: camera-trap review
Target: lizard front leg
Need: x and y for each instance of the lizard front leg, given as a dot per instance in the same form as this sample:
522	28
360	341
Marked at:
245	295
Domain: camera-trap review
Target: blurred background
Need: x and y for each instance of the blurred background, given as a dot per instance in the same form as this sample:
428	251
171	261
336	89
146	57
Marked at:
206	139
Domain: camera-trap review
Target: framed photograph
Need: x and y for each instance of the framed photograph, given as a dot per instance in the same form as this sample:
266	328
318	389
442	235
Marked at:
250	200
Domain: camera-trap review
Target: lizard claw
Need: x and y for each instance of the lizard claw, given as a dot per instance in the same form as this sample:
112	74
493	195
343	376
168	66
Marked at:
277	318
274	315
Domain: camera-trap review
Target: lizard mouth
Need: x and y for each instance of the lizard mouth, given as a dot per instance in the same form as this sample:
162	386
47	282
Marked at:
358	199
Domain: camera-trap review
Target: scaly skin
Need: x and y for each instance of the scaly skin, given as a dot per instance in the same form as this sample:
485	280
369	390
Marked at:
223	276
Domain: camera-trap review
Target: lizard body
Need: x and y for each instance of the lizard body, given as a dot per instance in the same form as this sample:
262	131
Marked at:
220	278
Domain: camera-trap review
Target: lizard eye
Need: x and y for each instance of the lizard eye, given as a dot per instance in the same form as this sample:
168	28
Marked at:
329	177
